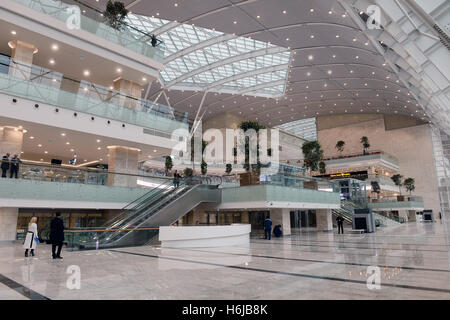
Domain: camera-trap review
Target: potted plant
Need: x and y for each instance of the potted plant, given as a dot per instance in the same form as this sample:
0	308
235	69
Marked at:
252	170
322	167
188	172
397	179
313	153
204	167
228	168
375	188
115	14
168	164
365	144
409	184
340	147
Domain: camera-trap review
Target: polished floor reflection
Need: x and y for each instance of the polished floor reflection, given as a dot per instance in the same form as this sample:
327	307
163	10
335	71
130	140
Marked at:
413	262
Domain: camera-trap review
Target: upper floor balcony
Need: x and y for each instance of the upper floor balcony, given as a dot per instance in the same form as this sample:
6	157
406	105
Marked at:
407	202
53	88
90	21
374	158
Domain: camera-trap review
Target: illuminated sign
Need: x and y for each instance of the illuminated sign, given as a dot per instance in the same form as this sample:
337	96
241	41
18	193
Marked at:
345	174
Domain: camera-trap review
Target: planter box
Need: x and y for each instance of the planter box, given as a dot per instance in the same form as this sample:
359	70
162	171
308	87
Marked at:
400	198
310	185
247	179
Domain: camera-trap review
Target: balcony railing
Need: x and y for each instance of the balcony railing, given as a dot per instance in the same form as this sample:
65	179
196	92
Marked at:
127	37
371	154
44	85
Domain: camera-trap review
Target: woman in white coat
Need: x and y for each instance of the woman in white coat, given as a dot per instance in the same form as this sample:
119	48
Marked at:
30	239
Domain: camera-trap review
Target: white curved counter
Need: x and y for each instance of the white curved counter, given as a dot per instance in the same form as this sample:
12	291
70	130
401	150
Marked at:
204	236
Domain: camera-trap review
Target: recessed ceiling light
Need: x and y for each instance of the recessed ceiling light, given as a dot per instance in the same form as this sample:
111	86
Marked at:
308	74
337	36
13	32
144	79
55	47
175	4
310	57
357	57
98	140
86	73
257	17
311	10
284	11
99	148
334	56
119	70
311	36
39	145
51	61
235	22
67	143
63	134
329	71
330	12
72	150
31	137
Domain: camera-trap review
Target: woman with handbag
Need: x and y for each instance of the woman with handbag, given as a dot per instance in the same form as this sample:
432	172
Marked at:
32	237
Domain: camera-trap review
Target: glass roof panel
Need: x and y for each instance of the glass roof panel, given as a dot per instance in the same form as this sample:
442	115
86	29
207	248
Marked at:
200	58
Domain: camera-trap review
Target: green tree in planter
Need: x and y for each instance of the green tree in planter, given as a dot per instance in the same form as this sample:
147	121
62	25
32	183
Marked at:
188	172
312	152
322	167
246	125
169	163
365	143
397	178
204	167
340	146
228	168
409	184
115	14
375	187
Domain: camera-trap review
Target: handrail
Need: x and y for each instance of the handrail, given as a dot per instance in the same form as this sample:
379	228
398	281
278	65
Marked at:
106	230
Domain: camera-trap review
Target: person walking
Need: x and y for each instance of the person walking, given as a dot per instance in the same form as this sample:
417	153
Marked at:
31	238
176	179
15	161
267	228
340	223
5	165
57	235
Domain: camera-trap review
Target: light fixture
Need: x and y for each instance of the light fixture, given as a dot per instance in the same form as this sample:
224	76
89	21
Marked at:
144	79
39	145
284	11
55	47
329	71
67	143
119	70
98	140
13	32
311	36
310	57
51	61
86	73
63	134
31	137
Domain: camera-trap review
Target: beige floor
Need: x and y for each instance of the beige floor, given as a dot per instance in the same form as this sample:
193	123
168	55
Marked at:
414	263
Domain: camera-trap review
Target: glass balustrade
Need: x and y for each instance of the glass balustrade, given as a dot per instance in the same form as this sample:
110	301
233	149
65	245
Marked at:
128	37
44	85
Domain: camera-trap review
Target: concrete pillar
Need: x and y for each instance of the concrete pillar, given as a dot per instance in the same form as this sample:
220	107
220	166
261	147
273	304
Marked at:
122	160
244	217
130	89
324	220
22	59
282	217
412	215
11	139
8	223
403	214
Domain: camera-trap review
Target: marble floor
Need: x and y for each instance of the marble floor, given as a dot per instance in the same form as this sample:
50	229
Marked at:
413	261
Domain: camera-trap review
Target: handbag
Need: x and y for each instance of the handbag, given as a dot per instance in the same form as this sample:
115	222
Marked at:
36	239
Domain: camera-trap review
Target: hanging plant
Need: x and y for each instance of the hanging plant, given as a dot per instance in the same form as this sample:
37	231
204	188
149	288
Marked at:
115	14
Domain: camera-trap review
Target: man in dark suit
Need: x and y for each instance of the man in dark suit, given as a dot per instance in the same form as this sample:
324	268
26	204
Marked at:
267	228
5	165
340	223
57	235
15	161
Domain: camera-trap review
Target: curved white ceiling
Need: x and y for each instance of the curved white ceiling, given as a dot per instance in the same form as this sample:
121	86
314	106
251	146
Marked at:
335	67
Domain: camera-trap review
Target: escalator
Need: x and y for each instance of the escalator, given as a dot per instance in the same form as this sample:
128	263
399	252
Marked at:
138	223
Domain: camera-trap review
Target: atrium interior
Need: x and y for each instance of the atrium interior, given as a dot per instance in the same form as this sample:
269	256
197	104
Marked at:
224	149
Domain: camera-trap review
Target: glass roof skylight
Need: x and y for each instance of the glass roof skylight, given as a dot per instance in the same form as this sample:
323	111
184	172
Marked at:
206	60
305	128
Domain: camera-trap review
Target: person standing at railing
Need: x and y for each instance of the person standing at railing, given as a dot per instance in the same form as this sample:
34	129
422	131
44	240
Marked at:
32	237
5	164
15	161
57	235
176	179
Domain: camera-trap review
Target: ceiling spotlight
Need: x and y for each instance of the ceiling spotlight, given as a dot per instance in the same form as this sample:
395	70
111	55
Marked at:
119	70
330	12
175	4
310	57
308	74
144	79
55	47
284	11
32	137
311	36
334	56
39	145
86	73
257	17
63	134
311	10
235	22
329	71
98	140
337	36
51	61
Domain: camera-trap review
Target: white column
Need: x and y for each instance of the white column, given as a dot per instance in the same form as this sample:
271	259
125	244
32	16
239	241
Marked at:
11	139
412	215
282	217
324	220
122	160
130	89
403	214
22	59
8	223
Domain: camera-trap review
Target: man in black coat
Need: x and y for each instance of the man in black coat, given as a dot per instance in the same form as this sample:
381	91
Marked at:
57	235
340	223
5	165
